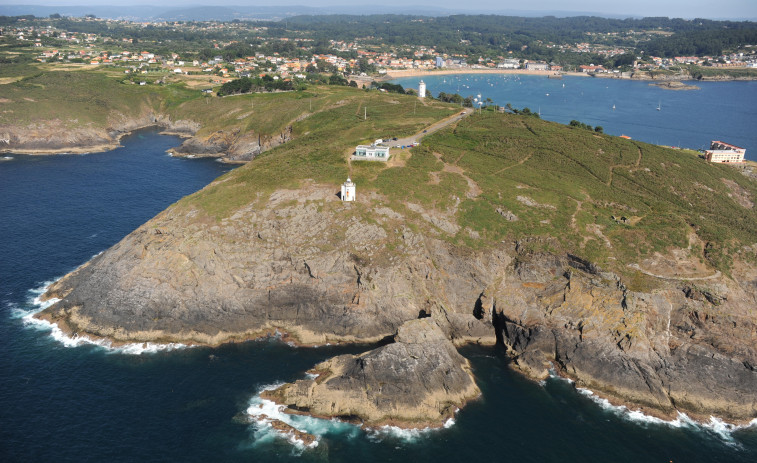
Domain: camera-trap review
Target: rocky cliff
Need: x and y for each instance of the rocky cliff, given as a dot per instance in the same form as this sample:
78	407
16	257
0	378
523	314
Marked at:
232	145
303	263
53	136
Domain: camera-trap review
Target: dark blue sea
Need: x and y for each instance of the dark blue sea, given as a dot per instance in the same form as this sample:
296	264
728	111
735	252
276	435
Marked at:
725	111
63	402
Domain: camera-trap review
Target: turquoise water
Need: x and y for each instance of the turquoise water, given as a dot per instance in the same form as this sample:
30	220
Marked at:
724	111
89	403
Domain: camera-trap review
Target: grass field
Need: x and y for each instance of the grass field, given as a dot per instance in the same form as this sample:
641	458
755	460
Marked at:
564	184
607	199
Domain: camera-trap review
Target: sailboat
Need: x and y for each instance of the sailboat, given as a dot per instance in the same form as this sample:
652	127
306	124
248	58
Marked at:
613	107
659	106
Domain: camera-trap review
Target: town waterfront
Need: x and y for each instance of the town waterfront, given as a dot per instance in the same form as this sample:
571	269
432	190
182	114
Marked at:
724	111
87	403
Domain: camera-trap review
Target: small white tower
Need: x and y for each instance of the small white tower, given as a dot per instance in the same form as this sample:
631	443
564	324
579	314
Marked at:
348	190
422	90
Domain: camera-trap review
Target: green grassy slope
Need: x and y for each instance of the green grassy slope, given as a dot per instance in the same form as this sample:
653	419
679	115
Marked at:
564	184
78	98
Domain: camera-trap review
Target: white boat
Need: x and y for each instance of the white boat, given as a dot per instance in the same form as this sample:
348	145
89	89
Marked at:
659	106
613	107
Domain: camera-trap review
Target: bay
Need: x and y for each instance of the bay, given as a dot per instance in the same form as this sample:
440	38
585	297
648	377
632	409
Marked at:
724	111
88	403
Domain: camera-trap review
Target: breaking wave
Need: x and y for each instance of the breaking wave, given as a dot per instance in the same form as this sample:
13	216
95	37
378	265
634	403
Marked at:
715	426
35	304
262	413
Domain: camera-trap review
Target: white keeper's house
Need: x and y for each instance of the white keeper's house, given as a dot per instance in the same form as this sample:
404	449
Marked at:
371	153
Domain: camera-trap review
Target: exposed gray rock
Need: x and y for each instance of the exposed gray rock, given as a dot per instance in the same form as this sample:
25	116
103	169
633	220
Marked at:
417	381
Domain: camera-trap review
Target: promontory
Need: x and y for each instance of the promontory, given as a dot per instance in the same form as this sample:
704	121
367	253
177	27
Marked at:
627	267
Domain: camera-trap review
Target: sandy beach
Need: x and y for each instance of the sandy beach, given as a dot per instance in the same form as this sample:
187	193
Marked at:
392	74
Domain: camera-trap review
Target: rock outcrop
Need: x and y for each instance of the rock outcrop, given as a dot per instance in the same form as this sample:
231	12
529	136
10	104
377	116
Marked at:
663	351
305	264
53	136
419	380
233	145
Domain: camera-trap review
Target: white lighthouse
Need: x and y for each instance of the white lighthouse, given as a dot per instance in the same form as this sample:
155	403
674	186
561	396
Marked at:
422	90
348	190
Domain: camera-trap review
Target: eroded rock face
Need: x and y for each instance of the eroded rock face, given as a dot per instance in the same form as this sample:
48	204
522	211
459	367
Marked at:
303	263
417	381
232	145
664	351
295	264
53	136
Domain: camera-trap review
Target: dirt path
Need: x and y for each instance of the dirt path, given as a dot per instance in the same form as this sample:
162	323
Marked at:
513	165
635	166
714	276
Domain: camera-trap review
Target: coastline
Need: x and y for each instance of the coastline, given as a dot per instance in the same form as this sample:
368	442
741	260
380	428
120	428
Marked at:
390	75
641	76
159	341
94	148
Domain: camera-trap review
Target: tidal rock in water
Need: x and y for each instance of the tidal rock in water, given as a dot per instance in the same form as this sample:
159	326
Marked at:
420	380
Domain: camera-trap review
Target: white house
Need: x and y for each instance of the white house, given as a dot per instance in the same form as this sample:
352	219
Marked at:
348	190
724	152
371	153
422	90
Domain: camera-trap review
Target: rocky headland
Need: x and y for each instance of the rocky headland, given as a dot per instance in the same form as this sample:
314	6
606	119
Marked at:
283	267
597	270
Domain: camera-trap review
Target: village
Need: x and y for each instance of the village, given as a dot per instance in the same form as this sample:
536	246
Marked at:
361	56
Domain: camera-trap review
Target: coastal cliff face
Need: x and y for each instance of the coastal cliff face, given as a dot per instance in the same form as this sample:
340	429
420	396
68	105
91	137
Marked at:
303	263
232	145
53	136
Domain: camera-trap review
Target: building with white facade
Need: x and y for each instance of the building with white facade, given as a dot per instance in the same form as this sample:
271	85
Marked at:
348	190
371	153
724	152
422	90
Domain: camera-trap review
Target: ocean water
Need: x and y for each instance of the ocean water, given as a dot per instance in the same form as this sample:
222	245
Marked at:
724	111
82	402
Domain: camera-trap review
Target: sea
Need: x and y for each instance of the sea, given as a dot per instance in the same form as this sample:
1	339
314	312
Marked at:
725	111
64	399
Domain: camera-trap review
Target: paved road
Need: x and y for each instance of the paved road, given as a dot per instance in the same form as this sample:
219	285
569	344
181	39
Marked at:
430	129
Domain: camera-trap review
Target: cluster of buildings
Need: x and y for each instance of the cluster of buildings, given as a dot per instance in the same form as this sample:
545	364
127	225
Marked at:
363	51
724	152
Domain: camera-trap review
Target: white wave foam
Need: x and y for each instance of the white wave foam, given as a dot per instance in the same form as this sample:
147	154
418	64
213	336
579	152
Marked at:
411	435
715	426
263	412
35	304
76	340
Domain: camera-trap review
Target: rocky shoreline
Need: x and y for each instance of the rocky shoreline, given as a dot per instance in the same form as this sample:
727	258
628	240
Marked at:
275	267
51	138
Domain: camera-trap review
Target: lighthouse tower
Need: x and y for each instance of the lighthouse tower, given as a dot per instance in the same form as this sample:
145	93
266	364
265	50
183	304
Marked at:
422	90
348	190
